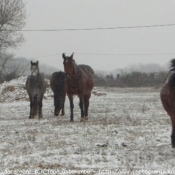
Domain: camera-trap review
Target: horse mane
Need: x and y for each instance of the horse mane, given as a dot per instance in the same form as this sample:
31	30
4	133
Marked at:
172	78
75	67
172	65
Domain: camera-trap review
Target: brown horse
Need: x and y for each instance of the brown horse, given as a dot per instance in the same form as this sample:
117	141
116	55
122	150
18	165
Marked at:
79	81
36	87
167	96
57	84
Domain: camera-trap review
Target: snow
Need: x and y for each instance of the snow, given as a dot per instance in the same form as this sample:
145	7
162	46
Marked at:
14	90
128	130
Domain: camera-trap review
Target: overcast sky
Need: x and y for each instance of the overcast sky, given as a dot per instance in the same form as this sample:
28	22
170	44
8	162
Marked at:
101	49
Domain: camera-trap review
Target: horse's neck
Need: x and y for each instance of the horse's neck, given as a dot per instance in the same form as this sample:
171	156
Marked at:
75	70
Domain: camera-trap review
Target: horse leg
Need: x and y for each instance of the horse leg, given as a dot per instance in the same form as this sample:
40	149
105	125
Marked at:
35	106
173	129
86	104
71	107
31	108
81	105
171	112
62	111
40	105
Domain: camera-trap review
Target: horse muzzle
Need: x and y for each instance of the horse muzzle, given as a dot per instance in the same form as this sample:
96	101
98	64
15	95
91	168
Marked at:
34	73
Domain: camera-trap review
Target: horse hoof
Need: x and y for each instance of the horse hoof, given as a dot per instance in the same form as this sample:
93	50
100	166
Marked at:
71	120
86	118
83	119
173	145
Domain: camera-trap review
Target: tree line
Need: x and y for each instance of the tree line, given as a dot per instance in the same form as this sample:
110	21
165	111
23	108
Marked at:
132	79
11	68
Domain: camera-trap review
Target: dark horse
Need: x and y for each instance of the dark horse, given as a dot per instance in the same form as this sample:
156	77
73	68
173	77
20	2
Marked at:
79	81
36	87
57	84
167	96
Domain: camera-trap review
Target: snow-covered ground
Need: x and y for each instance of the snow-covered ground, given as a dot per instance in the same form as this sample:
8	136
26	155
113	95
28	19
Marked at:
128	130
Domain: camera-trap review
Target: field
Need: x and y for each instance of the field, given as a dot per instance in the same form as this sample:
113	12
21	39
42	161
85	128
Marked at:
127	130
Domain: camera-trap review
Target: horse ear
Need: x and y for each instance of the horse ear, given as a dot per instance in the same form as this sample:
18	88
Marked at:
63	55
37	62
31	62
72	55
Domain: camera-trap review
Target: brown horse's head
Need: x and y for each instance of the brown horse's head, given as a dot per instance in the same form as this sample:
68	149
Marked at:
69	64
34	68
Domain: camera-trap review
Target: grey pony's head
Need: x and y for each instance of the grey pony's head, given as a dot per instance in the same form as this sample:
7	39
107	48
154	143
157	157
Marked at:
34	68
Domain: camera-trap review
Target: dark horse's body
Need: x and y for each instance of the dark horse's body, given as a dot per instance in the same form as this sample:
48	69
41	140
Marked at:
167	96
57	84
79	81
36	87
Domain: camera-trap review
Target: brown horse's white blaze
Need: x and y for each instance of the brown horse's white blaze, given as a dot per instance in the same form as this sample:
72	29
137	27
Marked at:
80	82
167	96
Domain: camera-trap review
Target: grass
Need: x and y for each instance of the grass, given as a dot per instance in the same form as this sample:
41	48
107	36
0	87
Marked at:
127	128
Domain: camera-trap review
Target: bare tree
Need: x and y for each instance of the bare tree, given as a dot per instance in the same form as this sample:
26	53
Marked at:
11	68
4	61
12	20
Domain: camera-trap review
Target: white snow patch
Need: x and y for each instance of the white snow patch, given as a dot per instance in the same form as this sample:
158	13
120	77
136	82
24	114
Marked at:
127	130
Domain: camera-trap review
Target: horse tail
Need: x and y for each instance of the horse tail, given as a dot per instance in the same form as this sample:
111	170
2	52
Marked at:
35	106
172	71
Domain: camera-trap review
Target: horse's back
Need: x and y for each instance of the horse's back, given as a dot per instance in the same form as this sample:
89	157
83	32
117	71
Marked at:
87	69
169	83
57	81
89	76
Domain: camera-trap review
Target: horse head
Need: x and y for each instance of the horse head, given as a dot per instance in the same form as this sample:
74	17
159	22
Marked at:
69	65
34	68
59	105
